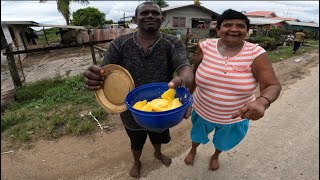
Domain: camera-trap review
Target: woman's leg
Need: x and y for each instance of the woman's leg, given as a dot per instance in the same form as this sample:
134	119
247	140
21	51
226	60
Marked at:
192	153
214	162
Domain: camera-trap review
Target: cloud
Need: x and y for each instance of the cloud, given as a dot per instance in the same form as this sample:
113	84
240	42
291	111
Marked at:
47	12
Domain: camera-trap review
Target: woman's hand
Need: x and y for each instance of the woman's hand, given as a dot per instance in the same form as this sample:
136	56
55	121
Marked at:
253	110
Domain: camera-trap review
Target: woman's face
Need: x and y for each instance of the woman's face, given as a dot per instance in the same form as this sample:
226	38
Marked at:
232	30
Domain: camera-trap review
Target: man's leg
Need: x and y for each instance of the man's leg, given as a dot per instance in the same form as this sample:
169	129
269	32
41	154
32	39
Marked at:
137	139
161	157
157	139
135	170
214	162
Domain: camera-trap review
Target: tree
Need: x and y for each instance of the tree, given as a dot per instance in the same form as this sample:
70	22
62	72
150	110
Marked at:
161	3
89	16
63	7
197	2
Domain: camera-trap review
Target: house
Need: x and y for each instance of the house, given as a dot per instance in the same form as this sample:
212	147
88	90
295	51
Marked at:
266	23
19	34
306	26
267	14
194	17
261	14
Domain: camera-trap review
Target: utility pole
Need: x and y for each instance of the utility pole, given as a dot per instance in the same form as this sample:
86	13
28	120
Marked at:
124	19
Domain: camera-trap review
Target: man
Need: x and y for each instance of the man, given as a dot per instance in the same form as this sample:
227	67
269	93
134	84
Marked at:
149	56
298	39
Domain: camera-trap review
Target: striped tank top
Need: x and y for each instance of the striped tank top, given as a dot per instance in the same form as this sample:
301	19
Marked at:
224	84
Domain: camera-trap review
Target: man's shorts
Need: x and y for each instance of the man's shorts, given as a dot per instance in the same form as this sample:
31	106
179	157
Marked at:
138	137
225	137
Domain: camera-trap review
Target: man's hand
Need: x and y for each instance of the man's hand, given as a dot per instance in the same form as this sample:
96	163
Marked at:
175	82
188	113
93	77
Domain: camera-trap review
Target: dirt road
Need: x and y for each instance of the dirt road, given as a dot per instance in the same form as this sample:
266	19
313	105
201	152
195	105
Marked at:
282	145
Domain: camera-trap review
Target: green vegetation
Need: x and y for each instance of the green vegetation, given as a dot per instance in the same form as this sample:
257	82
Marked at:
285	52
63	7
51	36
89	16
50	109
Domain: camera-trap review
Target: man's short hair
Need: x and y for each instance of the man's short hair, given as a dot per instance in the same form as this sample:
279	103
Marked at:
232	14
146	3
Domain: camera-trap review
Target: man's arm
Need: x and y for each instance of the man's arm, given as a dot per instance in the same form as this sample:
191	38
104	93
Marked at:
196	64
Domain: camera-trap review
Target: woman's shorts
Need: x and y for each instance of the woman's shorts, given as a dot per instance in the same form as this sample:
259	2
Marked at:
225	137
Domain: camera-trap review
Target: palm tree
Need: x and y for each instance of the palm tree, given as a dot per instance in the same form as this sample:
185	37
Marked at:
63	7
161	3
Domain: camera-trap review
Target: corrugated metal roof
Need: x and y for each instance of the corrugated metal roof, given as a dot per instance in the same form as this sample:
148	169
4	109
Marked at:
263	21
174	7
261	13
20	23
295	23
177	7
35	24
61	26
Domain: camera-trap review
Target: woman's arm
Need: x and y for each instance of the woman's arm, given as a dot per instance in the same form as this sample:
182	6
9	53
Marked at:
269	85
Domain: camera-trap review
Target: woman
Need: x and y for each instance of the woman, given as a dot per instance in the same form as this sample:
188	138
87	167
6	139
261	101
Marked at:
227	72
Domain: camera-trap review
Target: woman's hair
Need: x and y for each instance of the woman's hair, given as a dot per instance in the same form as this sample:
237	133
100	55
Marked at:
232	14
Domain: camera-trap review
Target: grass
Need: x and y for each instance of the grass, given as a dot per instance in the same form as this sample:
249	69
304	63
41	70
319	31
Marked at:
51	36
286	51
50	109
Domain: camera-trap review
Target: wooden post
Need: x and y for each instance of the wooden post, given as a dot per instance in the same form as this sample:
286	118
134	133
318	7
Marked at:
91	47
45	35
13	67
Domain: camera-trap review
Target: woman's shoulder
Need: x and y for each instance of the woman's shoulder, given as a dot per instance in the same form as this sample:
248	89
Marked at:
251	46
208	41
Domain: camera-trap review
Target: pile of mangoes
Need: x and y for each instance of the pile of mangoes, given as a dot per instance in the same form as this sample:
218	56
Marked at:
164	103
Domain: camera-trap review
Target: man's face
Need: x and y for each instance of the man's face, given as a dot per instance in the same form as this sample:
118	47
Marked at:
149	18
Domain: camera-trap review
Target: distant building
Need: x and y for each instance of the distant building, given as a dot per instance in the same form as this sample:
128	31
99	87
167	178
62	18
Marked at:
194	17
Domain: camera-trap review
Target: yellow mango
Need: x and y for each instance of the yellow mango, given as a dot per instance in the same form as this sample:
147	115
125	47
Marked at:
147	107
169	94
175	103
165	103
138	105
159	102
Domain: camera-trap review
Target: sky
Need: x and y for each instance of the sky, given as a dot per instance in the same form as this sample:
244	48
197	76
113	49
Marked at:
47	12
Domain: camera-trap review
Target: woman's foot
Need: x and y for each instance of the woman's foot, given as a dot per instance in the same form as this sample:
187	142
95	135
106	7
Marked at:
190	158
214	163
135	170
163	158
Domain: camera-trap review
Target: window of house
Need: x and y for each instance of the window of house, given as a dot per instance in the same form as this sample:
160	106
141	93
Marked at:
179	22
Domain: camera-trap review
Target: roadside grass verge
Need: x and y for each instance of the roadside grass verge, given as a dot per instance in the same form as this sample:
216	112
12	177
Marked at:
50	109
285	52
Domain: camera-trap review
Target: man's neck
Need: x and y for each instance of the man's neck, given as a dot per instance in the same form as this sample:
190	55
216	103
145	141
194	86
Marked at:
148	36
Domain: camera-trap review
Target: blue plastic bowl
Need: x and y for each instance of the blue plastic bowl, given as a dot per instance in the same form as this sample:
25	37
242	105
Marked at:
157	121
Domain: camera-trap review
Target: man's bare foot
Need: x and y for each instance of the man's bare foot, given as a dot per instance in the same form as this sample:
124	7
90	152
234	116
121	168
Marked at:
214	163
135	170
190	158
163	158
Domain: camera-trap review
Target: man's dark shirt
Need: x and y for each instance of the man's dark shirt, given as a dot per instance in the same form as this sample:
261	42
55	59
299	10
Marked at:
165	56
